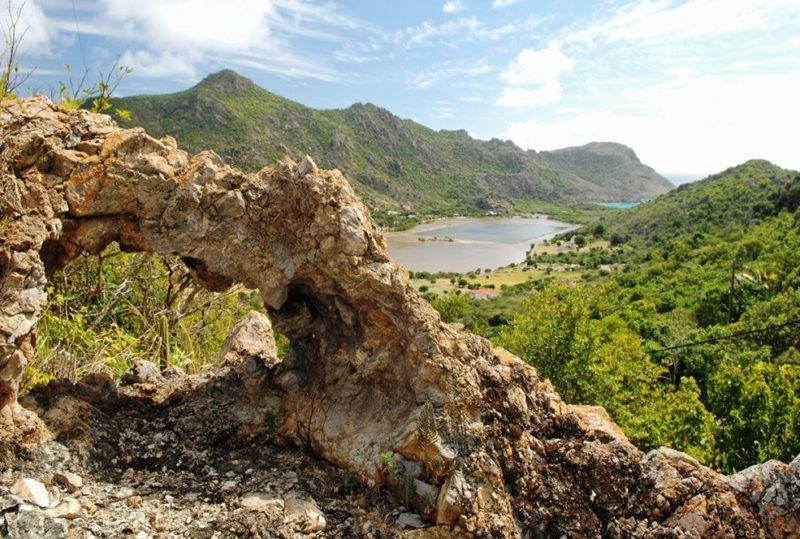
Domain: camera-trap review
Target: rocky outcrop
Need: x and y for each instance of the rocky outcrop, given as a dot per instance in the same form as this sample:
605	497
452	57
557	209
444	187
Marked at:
374	381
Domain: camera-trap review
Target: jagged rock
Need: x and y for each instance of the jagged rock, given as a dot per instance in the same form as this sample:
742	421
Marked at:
70	481
69	508
250	337
774	488
303	514
367	354
30	523
306	166
31	491
141	372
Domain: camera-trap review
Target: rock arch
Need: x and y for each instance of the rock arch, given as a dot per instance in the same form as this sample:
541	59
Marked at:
373	374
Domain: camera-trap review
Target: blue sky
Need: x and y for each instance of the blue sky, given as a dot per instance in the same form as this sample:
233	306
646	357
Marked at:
693	86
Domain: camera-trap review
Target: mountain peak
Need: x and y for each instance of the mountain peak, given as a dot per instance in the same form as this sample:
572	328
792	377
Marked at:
391	161
611	149
227	80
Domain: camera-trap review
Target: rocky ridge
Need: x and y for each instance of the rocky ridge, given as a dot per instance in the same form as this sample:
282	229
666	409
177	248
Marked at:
392	163
464	436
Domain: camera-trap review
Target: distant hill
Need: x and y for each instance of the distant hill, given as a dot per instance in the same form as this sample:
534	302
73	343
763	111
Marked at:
392	163
614	167
733	198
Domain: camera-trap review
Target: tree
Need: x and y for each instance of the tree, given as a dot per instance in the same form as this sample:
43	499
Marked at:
452	307
602	362
11	77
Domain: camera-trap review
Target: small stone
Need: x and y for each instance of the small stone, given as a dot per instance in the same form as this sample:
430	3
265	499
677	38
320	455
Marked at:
157	522
134	502
353	240
230	205
305	166
31	491
69	508
263	502
141	372
410	520
229	485
303	515
88	505
70	481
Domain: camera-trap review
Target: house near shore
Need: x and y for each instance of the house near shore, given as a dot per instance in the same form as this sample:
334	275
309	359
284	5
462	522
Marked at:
483	293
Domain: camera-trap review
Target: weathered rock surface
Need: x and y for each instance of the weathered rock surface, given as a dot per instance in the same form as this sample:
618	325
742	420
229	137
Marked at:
31	491
372	378
28	523
250	337
774	488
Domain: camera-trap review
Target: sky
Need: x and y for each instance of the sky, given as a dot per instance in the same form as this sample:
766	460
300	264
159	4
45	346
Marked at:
693	86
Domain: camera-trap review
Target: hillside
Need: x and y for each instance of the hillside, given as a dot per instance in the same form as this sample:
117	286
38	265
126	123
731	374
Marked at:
731	199
699	289
612	166
392	163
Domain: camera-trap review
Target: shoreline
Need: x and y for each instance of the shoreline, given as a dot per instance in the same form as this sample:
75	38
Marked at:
443	253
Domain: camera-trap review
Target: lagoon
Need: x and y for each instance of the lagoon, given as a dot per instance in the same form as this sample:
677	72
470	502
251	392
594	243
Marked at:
463	244
620	205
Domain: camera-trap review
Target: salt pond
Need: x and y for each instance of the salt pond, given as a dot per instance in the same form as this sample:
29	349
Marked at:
464	244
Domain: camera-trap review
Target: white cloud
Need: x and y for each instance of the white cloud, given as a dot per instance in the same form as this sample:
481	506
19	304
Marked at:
532	66
699	124
532	78
646	20
453	6
191	34
156	65
445	112
33	28
456	30
497	4
198	25
425	32
545	94
448	70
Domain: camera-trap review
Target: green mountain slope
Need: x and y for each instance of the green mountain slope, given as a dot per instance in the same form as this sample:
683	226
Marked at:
732	199
687	327
612	166
392	163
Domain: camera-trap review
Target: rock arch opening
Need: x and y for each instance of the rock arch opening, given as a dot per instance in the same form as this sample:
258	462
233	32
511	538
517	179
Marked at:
375	382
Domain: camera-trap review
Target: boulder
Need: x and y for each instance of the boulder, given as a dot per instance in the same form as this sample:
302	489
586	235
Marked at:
250	337
30	523
31	491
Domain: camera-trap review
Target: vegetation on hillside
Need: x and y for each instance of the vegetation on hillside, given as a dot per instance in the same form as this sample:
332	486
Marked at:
686	326
393	164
